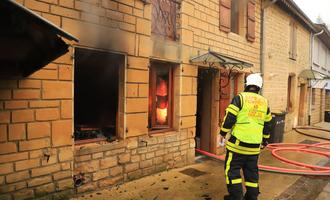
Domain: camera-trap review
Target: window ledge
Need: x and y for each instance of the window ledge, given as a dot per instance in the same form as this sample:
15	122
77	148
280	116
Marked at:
163	132
94	141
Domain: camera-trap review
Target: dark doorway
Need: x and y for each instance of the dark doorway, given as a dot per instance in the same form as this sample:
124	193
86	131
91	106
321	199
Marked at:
96	94
204	121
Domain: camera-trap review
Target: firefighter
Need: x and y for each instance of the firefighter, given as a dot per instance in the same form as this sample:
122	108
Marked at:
248	118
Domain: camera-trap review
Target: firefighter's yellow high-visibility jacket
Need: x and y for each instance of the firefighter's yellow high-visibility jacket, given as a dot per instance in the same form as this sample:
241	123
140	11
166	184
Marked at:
248	117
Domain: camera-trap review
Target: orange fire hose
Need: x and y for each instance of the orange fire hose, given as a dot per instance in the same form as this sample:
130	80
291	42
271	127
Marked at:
276	147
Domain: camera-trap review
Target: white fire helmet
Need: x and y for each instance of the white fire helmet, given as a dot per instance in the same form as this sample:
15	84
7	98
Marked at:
254	79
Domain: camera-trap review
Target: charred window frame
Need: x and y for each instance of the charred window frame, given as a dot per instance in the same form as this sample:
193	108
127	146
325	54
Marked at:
160	96
164	18
96	95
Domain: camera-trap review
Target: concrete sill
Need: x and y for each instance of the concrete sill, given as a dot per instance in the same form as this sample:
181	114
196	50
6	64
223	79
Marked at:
94	140
161	132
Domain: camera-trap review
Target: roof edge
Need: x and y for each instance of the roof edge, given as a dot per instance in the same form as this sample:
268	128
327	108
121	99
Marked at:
61	32
295	10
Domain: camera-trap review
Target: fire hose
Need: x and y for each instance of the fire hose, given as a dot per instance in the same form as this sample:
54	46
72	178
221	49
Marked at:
277	147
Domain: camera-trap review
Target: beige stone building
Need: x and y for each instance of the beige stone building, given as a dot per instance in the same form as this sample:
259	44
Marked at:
286	54
121	103
147	82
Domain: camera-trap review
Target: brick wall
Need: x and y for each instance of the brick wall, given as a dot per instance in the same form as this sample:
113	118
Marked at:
35	133
105	165
278	66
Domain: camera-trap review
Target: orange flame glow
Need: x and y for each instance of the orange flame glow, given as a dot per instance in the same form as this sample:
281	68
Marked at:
162	101
161	115
161	88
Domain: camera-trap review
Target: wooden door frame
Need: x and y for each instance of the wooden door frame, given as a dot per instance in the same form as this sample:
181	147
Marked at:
302	104
213	123
214	112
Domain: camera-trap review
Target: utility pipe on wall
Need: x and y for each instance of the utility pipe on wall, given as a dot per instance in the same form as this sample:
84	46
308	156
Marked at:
310	81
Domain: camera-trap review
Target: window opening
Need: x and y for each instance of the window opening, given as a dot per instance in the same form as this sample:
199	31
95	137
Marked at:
96	94
160	96
163	18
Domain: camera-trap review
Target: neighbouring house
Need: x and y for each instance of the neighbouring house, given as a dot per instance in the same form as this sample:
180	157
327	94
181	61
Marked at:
286	59
321	63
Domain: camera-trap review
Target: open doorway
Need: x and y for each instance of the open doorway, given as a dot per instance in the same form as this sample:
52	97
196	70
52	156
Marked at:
207	115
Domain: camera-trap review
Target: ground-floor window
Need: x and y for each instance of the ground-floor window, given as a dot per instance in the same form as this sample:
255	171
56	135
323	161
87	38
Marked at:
96	94
160	96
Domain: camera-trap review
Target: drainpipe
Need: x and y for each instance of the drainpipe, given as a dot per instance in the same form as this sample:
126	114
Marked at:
310	81
262	39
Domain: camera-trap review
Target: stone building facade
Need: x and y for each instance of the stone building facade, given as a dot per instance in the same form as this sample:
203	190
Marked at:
127	100
42	153
286	54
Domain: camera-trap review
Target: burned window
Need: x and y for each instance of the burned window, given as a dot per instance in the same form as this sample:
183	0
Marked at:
96	94
163	19
160	96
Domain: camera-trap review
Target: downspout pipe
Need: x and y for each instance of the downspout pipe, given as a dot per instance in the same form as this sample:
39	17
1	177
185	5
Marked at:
264	5
310	81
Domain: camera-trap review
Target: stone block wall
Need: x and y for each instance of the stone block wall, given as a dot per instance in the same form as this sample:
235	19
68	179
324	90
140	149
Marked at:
36	133
108	164
317	114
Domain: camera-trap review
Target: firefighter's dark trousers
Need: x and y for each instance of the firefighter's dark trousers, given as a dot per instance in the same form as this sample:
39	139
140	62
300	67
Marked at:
249	164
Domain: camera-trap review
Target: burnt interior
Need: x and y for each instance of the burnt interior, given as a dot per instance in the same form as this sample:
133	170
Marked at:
96	94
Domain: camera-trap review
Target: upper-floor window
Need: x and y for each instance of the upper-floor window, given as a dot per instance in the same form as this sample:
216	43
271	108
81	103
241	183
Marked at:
238	17
293	41
321	55
163	18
